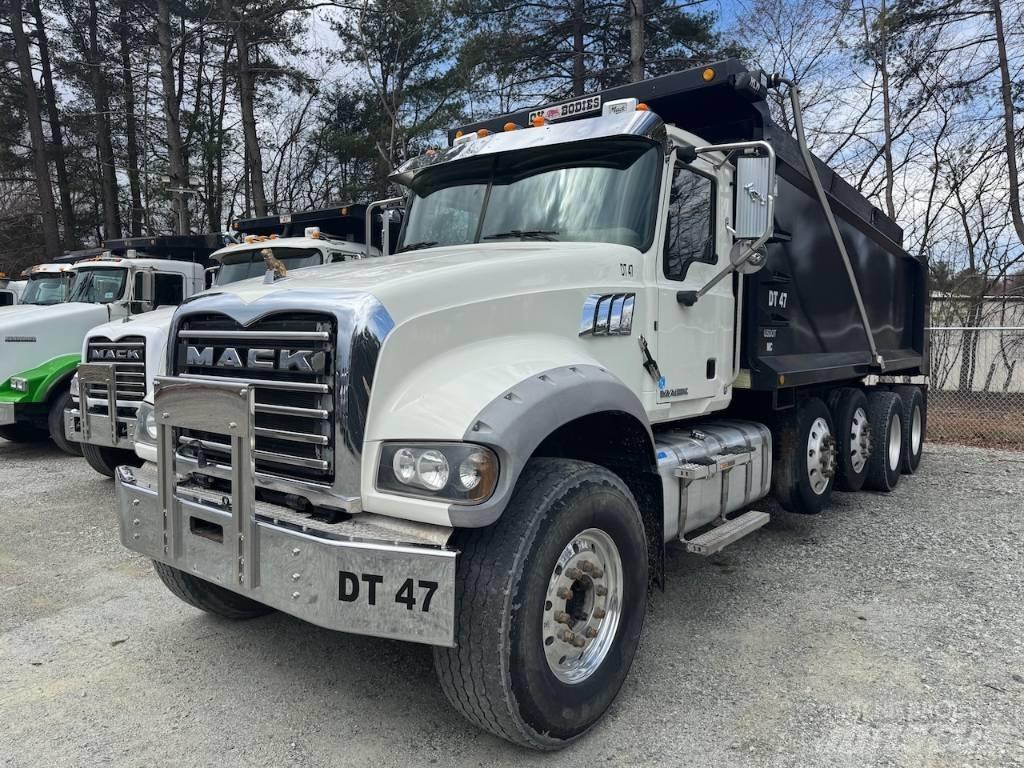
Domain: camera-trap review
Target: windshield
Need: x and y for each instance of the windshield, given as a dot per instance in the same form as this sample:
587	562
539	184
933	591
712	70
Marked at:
47	288
249	263
593	191
98	285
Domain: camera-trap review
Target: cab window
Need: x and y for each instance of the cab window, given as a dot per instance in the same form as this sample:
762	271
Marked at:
689	234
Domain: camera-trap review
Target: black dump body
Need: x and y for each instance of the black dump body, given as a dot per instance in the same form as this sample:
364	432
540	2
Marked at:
344	222
801	324
194	248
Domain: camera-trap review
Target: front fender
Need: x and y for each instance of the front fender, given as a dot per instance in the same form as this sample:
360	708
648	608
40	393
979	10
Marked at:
508	393
41	380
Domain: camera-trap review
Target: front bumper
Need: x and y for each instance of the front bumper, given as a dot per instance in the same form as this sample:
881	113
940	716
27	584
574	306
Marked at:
368	574
114	429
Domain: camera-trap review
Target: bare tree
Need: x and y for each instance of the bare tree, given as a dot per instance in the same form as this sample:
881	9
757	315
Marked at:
177	160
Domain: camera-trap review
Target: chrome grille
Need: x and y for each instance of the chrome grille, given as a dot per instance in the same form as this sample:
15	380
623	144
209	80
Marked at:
128	356
289	357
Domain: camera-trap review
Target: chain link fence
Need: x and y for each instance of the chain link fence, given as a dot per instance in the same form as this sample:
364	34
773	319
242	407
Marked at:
977	385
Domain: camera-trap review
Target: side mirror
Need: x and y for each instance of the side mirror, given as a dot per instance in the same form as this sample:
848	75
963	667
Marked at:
210	276
386	207
142	301
755	178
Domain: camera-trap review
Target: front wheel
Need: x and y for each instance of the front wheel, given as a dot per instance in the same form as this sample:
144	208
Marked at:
55	422
207	596
550	603
105	460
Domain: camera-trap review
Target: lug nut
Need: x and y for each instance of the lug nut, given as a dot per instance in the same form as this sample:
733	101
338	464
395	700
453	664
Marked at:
600	613
601	590
597	573
579	642
586	566
574	573
564	593
562	617
566	636
591	632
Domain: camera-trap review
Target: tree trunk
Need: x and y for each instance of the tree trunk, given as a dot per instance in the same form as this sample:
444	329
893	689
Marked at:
636	11
51	236
67	210
104	145
883	66
176	159
131	130
1005	91
579	70
247	97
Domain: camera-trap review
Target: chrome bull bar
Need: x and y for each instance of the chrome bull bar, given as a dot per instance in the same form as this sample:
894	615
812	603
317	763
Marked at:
368	574
81	426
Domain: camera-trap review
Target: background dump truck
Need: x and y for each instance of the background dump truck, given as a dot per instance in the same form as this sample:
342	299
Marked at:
610	325
40	339
115	353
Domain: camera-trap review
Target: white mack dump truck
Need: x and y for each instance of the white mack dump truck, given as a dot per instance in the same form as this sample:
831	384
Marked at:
40	339
122	359
611	325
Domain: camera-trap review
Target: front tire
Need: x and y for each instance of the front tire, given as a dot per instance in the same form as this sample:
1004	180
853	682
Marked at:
550	603
55	422
805	458
207	596
105	460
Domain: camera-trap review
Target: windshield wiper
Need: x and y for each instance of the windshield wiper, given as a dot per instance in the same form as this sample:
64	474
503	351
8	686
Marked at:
417	246
524	234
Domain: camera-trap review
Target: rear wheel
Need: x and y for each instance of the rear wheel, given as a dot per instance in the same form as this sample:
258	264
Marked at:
885	413
849	408
915	419
551	600
105	460
21	433
805	458
55	422
207	596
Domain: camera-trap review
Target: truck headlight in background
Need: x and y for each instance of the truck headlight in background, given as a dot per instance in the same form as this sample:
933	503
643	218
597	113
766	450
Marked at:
461	473
19	384
145	424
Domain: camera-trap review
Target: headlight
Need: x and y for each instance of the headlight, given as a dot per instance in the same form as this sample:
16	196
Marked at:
145	424
19	384
461	473
75	387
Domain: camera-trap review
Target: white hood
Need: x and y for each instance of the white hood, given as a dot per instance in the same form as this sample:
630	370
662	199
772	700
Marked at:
34	334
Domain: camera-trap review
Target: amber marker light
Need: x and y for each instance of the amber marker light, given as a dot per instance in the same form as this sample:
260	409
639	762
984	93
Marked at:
511	127
483	133
708	75
641	107
538	121
459	134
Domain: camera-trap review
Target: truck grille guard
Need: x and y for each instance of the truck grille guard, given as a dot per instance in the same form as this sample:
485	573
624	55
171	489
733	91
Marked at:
114	374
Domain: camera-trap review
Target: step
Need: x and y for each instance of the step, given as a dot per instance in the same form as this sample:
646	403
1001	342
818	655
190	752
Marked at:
718	538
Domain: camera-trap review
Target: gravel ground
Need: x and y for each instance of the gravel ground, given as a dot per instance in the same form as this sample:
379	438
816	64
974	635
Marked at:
888	631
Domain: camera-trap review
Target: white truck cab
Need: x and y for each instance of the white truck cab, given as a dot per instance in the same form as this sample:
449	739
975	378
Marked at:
10	291
111	350
40	339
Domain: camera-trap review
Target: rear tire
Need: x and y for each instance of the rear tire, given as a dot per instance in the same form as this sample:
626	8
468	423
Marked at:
885	412
105	460
805	458
55	422
515	670
207	596
22	433
849	408
915	419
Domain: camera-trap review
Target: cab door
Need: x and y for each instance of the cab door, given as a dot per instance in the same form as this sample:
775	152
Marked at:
695	343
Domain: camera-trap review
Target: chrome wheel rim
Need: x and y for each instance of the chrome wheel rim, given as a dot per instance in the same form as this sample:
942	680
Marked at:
916	430
895	441
860	440
583	606
821	456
